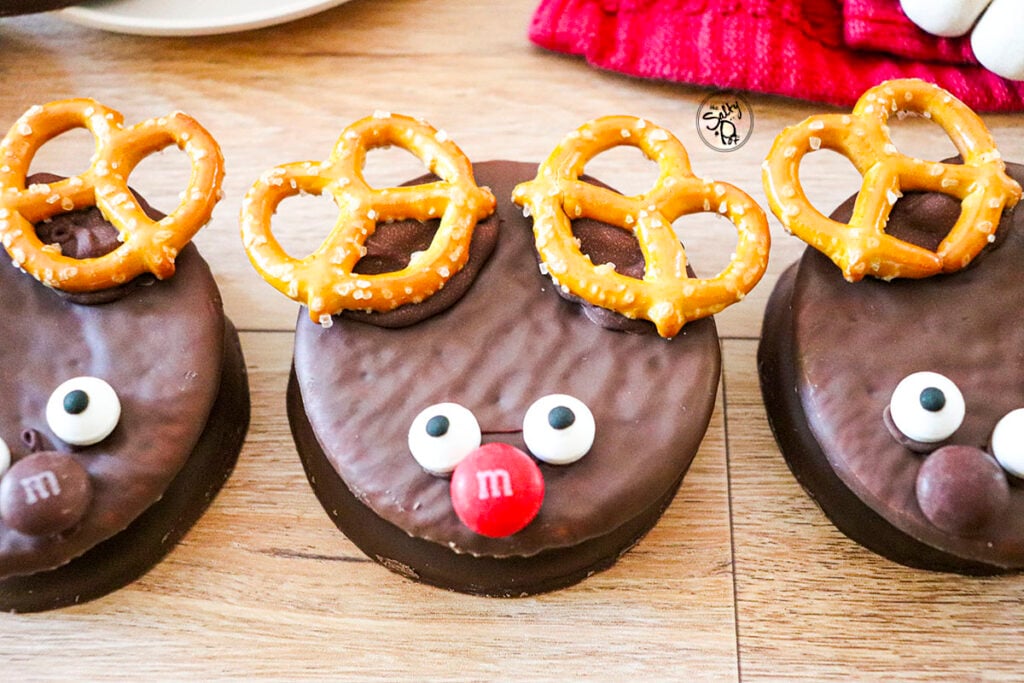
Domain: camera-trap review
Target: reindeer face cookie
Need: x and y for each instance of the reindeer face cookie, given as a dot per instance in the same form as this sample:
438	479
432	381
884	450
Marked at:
125	398
505	444
895	403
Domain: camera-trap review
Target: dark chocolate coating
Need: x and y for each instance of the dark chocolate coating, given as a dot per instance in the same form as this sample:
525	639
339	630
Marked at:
389	250
85	233
128	555
437	565
165	347
510	340
830	356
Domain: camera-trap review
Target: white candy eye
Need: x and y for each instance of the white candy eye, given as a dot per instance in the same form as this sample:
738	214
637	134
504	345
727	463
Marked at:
442	435
558	429
5	457
927	407
1008	442
83	411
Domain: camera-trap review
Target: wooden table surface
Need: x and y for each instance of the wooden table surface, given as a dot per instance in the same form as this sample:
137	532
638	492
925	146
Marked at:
743	578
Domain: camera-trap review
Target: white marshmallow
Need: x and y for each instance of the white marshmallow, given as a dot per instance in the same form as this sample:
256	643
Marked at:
948	18
996	39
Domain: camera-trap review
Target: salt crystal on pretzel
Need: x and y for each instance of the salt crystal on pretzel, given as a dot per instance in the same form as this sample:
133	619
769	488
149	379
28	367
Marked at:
324	280
666	295
147	245
861	247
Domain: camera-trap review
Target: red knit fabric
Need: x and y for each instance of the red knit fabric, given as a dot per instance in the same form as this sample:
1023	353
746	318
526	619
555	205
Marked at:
881	25
795	48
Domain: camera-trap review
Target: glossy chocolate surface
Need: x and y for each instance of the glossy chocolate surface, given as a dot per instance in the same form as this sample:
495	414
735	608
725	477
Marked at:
509	341
842	348
168	352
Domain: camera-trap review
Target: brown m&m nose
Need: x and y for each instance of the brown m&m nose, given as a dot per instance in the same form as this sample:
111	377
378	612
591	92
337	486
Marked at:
962	489
44	493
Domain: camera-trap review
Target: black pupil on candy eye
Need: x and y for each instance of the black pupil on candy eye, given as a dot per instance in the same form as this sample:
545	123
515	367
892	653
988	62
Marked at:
438	425
932	399
76	402
561	417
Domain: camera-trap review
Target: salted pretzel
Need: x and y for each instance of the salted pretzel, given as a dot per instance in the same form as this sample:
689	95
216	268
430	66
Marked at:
666	295
861	247
324	280
147	245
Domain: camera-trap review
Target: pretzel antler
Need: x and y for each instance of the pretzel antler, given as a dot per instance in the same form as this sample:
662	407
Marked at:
666	295
324	280
861	247
148	245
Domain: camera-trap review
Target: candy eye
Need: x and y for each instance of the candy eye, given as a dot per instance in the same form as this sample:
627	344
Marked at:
1008	442
927	407
5	457
558	429
83	411
442	435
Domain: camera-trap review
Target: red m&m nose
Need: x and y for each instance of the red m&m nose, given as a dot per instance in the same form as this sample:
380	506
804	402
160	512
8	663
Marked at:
497	490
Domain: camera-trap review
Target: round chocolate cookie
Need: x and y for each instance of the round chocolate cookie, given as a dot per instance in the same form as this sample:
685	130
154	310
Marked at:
911	474
122	420
359	392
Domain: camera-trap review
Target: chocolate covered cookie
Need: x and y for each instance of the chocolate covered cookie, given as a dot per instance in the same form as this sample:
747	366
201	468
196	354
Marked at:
126	398
501	443
895	392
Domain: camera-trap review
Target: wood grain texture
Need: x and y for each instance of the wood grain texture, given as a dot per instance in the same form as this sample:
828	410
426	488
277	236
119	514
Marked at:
742	579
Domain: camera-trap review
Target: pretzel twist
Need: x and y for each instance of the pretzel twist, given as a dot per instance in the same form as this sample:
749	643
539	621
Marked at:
147	245
324	280
666	295
861	247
